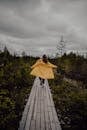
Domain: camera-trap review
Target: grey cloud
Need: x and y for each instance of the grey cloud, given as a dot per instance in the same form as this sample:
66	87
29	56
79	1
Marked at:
36	25
20	3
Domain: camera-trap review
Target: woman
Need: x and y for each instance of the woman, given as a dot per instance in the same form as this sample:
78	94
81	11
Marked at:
43	69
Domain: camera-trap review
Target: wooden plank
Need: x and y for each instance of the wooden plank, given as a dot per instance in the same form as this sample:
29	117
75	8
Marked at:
38	101
42	111
38	121
58	127
32	125
36	104
29	116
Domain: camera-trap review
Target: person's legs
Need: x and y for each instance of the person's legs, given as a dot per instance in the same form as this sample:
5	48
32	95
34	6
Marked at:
42	81
40	78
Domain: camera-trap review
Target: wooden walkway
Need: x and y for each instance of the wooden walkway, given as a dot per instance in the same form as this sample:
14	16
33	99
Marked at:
39	112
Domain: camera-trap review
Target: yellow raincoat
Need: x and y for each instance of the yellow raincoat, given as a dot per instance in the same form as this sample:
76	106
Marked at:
43	70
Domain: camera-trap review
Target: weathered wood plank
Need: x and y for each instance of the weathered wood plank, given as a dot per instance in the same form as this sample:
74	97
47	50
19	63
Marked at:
42	113
38	121
36	104
29	116
27	107
33	125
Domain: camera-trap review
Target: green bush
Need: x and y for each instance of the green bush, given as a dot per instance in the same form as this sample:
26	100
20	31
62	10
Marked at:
71	106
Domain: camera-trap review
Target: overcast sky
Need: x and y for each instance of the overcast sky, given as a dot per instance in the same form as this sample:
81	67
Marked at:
35	26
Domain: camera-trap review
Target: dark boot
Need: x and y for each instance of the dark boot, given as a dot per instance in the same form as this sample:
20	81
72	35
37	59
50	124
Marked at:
43	80
40	81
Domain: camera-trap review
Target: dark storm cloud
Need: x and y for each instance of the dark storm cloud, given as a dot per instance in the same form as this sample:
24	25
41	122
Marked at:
36	25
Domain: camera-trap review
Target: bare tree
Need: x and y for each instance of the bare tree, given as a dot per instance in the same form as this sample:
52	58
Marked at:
23	54
61	47
1	46
86	55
